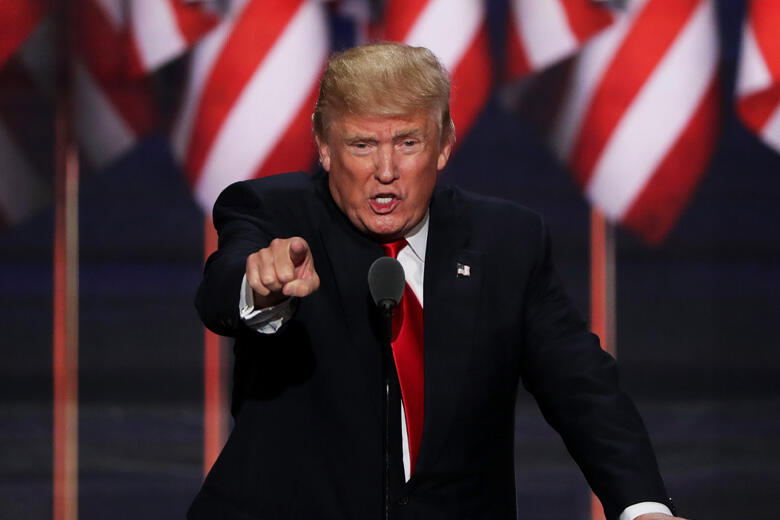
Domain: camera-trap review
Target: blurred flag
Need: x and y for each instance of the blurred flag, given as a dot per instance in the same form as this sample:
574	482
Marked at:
758	77
117	44
18	18
543	33
250	94
112	109
25	122
162	30
25	113
456	31
640	118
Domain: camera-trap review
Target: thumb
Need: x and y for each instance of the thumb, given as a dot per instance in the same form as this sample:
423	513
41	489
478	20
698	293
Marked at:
299	250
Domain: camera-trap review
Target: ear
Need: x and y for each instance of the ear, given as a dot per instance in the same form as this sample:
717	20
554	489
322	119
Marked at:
324	151
444	155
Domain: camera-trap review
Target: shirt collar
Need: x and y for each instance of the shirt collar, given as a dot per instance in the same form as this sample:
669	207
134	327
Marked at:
417	238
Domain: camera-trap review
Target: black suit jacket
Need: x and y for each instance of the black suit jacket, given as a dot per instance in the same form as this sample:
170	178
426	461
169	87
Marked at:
307	400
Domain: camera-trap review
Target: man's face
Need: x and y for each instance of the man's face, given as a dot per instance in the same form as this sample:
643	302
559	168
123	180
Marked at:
382	170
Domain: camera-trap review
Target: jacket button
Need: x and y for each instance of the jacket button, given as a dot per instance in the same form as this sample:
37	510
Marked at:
403	500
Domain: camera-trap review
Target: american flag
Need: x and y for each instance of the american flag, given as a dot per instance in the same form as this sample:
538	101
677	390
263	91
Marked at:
541	33
118	44
639	121
758	77
251	90
24	185
18	18
456	31
162	30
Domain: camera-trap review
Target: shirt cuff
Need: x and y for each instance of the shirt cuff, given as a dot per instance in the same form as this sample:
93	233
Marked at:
267	320
642	508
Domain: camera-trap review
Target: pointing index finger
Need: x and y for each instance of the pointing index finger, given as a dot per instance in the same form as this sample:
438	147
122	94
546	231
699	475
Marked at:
299	249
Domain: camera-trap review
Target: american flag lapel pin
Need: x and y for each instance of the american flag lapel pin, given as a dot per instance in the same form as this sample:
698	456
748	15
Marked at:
464	270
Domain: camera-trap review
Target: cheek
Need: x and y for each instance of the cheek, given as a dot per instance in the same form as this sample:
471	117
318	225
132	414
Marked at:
348	190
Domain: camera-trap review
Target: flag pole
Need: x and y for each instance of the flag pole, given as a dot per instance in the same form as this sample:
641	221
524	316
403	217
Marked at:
214	423
603	317
66	288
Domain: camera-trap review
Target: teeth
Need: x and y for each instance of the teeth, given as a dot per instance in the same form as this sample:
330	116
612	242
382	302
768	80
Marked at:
384	200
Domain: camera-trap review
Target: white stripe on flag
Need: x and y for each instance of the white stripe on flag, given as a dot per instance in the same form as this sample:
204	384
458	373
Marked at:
771	130
102	132
156	32
447	28
543	28
752	74
642	139
269	101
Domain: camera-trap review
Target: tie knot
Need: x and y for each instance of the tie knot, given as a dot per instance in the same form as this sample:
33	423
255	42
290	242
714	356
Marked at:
392	248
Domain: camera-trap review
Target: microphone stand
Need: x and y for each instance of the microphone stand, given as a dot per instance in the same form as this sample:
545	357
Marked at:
388	371
386	284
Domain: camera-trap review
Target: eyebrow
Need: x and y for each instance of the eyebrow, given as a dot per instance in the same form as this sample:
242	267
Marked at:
404	134
412	132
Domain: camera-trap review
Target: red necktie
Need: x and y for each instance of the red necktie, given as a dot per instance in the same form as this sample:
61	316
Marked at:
407	345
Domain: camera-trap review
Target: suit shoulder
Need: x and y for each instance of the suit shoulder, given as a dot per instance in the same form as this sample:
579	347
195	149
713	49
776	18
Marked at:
286	204
290	184
487	209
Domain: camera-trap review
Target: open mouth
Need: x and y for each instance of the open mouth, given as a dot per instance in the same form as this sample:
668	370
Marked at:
384	202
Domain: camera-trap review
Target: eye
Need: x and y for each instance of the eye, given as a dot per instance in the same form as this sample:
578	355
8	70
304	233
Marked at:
359	147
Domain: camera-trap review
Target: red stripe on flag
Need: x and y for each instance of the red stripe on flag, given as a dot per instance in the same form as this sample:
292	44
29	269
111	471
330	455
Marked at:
295	149
136	66
756	109
101	44
400	17
765	19
586	18
18	18
471	82
517	62
241	55
656	209
654	31
193	20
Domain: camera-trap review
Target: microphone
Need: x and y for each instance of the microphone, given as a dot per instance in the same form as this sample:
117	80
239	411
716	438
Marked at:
386	282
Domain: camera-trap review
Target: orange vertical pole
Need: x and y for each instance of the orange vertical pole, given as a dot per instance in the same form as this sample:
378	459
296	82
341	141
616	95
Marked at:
214	424
66	289
602	298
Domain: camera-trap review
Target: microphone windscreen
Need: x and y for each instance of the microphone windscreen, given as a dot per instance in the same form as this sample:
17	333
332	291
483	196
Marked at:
386	280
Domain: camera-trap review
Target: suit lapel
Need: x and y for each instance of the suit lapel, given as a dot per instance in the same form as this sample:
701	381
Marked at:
451	304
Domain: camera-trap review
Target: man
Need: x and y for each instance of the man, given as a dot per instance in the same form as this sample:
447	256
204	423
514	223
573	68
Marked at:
289	283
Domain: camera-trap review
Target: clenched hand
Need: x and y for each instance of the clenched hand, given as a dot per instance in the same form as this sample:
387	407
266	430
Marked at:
285	268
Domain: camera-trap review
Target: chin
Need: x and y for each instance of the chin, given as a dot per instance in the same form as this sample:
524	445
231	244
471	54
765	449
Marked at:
385	232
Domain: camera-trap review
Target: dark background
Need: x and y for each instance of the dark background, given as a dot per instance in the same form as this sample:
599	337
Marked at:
697	328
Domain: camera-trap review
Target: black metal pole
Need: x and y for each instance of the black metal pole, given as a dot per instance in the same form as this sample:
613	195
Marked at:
388	370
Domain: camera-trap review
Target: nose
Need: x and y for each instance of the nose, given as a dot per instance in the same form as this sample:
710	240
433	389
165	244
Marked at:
386	171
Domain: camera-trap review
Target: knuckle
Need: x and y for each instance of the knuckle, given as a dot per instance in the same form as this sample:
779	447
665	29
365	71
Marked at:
268	279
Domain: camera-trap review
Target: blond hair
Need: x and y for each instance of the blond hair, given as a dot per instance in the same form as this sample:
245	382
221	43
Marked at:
384	79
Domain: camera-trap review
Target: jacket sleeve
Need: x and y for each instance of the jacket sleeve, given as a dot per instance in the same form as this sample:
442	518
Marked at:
576	386
244	227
